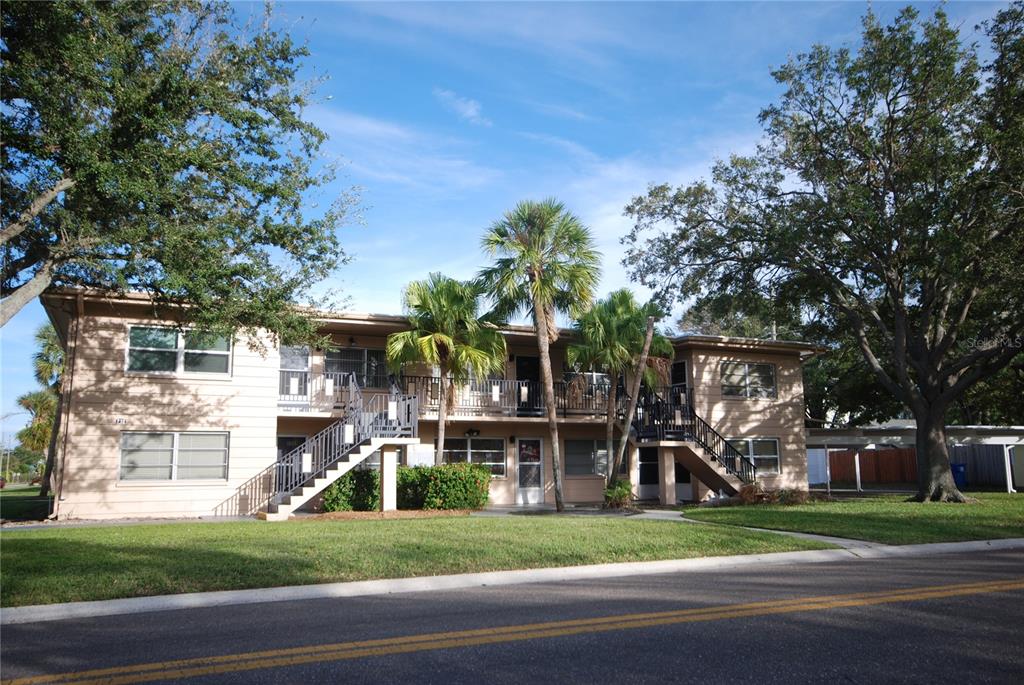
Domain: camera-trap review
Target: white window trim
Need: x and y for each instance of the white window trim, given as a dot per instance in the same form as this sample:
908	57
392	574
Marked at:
173	480
746	380
753	457
179	367
469	452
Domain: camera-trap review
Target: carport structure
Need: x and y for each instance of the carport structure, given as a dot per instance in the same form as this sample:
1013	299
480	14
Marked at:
903	434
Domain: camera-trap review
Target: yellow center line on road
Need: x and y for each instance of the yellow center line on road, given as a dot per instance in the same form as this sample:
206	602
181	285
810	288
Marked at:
200	666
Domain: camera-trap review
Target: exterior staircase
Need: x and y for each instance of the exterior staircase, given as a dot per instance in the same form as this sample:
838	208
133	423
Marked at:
366	426
669	420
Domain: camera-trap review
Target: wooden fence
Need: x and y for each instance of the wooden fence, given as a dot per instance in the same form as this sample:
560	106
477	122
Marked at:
876	466
985	465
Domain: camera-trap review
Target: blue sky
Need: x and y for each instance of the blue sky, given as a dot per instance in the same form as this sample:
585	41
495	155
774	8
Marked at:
446	115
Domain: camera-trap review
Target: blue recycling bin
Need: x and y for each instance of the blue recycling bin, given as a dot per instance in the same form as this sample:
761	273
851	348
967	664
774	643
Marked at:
959	475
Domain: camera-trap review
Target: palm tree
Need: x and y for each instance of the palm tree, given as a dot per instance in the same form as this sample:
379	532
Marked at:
544	263
611	338
448	332
48	366
41	405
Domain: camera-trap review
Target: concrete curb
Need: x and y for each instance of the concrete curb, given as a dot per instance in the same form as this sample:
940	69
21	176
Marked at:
138	605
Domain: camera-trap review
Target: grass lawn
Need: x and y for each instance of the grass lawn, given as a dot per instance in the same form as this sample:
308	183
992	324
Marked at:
72	564
889	519
22	503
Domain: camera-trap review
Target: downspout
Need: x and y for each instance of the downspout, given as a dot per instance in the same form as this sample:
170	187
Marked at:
67	387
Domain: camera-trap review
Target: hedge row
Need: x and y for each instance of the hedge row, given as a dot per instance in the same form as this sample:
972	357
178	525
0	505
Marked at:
451	486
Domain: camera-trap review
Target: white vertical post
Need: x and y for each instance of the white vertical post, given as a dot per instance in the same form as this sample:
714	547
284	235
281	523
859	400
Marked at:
856	467
293	385
388	479
307	462
828	472
1009	469
494	393
329	388
350	434
392	410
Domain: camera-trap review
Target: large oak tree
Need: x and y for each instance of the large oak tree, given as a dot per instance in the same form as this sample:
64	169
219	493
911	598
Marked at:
162	147
889	189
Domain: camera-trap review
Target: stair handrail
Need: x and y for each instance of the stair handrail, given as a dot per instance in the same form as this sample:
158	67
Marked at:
656	418
381	416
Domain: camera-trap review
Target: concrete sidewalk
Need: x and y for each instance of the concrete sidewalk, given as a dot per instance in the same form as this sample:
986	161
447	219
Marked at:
138	605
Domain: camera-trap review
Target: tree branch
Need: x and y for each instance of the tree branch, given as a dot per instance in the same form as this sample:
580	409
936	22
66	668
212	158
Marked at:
13	303
13	229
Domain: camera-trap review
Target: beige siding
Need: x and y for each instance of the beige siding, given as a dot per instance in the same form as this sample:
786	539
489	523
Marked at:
735	417
106	401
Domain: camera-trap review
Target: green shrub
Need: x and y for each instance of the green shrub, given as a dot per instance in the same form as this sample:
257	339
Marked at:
451	486
618	495
355	491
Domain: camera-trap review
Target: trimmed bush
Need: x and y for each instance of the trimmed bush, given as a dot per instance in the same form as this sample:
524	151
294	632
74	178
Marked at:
355	491
451	486
618	495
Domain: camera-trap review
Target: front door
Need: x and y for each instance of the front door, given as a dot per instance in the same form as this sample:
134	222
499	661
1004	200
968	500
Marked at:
530	469
647	488
528	399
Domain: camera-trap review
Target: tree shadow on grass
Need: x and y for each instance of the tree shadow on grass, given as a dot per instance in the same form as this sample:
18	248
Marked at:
48	569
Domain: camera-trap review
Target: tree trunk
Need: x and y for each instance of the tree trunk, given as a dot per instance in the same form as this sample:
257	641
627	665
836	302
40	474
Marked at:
45	486
934	477
544	348
13	303
442	419
637	380
609	429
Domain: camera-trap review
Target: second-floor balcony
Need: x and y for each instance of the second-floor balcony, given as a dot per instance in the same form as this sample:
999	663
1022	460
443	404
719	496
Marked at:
306	391
508	398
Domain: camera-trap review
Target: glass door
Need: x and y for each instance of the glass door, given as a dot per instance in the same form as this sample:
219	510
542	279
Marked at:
530	470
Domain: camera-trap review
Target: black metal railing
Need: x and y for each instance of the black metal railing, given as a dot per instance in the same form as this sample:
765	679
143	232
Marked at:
659	420
500	397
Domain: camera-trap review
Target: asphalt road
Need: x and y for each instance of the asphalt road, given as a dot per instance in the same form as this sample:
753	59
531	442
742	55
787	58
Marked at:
927	620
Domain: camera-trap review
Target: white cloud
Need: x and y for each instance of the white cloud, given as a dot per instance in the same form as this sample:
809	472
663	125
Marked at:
390	152
574	149
465	108
557	110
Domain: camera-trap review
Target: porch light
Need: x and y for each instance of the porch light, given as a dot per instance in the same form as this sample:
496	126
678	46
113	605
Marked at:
494	392
349	432
472	433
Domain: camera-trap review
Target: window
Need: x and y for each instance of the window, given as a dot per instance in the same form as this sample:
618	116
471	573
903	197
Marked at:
745	379
764	452
174	456
153	349
589	458
293	379
488	452
369	366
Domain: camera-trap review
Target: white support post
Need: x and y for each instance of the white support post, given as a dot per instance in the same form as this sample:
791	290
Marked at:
828	472
1009	469
388	479
856	467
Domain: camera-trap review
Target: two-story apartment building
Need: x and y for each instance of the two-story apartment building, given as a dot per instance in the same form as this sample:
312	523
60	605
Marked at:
159	421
